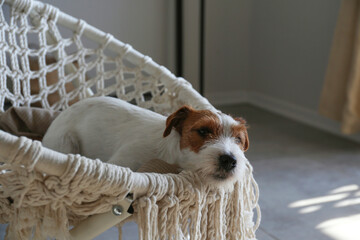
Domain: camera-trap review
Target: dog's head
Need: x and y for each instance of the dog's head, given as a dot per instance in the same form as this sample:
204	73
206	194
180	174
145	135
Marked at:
213	143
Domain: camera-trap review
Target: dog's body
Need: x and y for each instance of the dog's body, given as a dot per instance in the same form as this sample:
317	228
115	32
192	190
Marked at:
118	132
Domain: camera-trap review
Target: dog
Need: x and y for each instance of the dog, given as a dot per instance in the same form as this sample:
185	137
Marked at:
207	142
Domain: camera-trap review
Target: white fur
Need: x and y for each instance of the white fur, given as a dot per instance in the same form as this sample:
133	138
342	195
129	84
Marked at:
121	133
113	131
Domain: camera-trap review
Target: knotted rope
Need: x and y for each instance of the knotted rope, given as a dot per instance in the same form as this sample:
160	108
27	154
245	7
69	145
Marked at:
175	205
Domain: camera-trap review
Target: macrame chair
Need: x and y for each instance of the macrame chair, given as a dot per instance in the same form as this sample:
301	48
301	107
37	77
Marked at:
44	193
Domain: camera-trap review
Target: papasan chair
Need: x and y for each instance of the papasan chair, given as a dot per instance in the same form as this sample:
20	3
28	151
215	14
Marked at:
51	60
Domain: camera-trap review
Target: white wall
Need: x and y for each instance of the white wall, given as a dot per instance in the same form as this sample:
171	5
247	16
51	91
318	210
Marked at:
290	43
146	25
272	54
276	48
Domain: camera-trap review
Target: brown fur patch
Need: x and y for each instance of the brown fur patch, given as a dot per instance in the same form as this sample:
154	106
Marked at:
190	124
197	121
176	120
240	131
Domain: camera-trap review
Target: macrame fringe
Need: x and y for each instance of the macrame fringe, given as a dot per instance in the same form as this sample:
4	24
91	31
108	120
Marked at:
176	206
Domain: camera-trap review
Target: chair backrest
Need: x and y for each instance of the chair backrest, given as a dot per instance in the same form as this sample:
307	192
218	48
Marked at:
51	60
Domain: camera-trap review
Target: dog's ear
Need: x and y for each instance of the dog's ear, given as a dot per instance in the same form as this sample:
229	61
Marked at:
246	136
247	142
240	120
176	120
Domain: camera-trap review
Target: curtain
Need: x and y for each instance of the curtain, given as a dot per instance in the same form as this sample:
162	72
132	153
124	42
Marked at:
340	98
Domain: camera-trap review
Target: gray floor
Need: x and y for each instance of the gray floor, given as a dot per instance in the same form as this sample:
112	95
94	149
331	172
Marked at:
309	180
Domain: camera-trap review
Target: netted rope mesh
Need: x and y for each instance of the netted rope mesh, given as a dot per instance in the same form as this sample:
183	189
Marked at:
50	59
39	41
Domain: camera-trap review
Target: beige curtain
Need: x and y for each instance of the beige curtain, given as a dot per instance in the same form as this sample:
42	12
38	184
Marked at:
340	99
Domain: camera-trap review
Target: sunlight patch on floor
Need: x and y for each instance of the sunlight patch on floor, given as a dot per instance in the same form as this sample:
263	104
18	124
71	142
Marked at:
348	188
344	228
336	228
310	209
348	202
318	200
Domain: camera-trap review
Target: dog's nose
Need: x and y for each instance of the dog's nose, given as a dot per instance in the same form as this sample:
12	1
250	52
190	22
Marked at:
227	162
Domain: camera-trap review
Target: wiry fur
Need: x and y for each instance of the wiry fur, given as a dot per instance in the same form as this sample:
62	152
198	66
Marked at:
118	132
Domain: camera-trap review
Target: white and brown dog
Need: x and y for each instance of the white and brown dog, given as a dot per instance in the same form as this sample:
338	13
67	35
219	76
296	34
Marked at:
210	143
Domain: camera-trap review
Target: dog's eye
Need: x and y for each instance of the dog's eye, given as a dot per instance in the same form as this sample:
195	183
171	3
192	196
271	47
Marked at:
203	132
238	140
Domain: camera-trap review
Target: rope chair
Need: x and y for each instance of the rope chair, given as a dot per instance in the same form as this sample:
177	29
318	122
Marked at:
45	194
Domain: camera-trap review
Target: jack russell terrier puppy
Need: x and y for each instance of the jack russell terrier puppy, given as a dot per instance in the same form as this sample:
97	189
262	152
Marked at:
209	143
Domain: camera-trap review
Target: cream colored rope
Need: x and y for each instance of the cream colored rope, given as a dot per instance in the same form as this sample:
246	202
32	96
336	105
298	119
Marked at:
175	204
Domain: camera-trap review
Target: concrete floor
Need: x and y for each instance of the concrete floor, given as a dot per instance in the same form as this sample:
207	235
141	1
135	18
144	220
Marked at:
309	180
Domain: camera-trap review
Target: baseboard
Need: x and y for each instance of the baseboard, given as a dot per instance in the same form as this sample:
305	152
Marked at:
281	107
